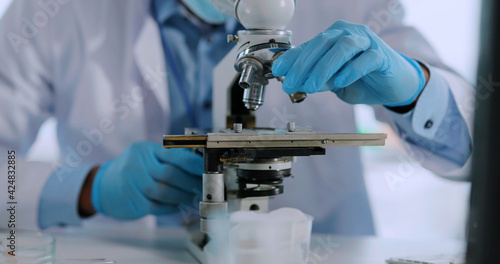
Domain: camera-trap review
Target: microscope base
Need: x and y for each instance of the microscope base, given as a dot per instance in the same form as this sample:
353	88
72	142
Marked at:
194	244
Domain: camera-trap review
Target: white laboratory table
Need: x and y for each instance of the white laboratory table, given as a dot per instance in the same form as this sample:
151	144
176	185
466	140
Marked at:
167	246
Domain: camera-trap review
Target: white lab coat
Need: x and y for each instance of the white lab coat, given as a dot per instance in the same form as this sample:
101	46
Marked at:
88	63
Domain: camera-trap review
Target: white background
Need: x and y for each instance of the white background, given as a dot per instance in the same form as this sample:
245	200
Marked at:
423	205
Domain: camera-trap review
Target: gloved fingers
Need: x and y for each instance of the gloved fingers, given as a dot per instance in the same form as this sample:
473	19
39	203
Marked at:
282	65
184	159
358	93
170	195
142	147
344	50
172	175
340	24
368	62
353	29
308	58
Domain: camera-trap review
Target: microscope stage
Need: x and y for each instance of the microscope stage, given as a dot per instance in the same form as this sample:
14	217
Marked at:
270	138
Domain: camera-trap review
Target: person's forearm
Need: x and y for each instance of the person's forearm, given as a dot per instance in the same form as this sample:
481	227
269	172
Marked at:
85	207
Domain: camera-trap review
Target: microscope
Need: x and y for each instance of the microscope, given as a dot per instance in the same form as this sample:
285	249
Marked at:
245	166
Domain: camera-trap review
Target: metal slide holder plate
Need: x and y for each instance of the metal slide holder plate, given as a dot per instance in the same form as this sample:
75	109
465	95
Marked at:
270	138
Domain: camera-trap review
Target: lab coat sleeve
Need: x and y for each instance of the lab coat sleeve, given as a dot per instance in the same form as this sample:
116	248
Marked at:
26	100
438	130
433	128
59	198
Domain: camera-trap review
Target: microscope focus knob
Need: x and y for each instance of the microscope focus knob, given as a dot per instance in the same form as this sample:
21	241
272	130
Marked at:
232	38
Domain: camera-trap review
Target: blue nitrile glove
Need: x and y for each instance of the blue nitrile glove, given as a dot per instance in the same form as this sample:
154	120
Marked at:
147	179
354	63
